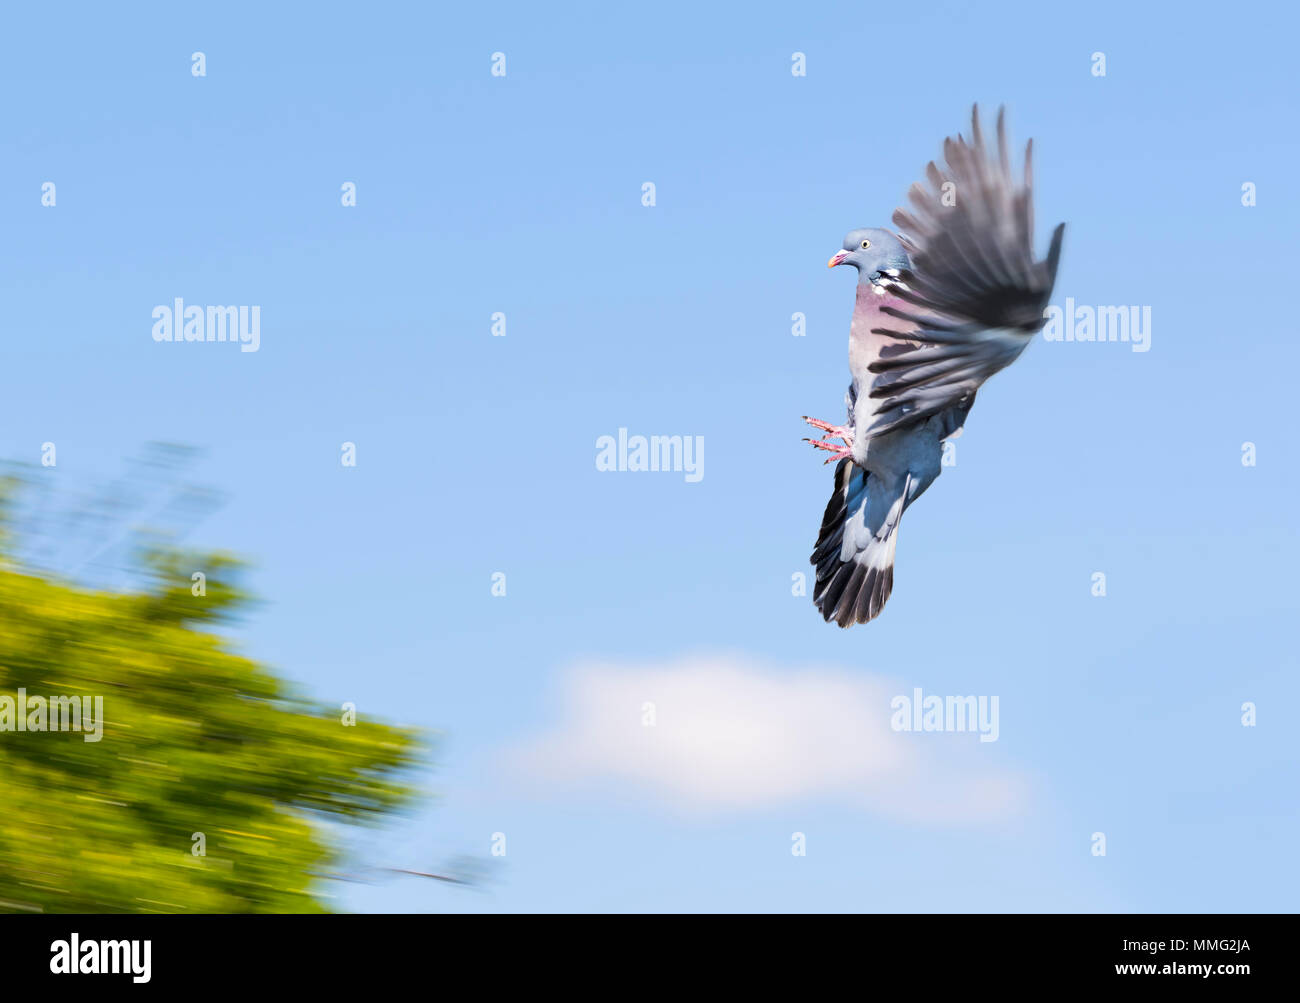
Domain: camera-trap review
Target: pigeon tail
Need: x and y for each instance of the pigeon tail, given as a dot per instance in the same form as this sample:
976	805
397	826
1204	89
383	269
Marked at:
854	556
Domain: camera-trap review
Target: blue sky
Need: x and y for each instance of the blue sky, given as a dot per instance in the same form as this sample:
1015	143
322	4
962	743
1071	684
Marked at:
522	194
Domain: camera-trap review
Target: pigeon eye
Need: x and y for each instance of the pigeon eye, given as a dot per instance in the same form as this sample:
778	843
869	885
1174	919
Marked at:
866	244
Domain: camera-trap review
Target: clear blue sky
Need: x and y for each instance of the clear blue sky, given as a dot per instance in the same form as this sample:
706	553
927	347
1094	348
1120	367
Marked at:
522	194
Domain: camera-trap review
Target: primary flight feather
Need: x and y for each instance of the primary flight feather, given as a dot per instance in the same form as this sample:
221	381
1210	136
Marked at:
941	306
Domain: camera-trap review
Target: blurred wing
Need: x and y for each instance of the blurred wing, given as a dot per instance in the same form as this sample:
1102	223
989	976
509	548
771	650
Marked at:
974	295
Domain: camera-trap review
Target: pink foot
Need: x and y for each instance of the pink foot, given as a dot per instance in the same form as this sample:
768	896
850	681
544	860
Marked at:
838	431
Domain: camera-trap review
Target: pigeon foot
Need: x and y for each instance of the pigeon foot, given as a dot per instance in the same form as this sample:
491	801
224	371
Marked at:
843	432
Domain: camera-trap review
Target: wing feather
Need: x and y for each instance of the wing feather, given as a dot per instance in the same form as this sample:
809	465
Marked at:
974	295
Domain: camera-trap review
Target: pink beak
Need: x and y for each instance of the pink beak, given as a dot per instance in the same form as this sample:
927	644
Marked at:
838	259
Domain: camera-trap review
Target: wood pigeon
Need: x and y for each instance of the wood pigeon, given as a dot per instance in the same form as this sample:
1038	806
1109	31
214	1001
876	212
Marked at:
944	304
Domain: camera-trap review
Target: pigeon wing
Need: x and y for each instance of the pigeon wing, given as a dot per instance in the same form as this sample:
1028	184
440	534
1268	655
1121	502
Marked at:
974	295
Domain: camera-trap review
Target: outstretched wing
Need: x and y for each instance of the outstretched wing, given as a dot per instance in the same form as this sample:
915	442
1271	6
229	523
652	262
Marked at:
974	294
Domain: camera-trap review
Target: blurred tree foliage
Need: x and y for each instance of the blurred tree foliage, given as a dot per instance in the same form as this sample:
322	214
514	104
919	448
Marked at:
196	739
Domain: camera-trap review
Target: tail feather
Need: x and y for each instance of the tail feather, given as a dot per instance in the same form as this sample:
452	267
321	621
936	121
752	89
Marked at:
854	555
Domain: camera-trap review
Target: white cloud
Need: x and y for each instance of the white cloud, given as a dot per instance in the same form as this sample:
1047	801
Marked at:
733	735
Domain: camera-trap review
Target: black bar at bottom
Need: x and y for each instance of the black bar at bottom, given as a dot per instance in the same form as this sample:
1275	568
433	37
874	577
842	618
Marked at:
923	951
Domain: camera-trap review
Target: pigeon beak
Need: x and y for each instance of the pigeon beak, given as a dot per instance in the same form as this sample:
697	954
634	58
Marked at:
838	259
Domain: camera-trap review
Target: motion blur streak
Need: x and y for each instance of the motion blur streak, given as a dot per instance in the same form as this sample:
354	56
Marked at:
210	783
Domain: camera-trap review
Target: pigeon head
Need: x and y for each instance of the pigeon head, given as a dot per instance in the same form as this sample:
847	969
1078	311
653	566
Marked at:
871	251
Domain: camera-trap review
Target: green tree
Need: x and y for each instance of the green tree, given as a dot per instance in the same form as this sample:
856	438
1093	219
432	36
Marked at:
196	739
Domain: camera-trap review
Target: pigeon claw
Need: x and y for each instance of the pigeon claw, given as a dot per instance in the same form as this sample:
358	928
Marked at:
839	431
837	451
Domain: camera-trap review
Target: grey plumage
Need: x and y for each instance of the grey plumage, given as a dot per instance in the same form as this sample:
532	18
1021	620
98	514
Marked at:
941	307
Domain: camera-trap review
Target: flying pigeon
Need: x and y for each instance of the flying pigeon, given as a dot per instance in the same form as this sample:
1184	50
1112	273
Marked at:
941	307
